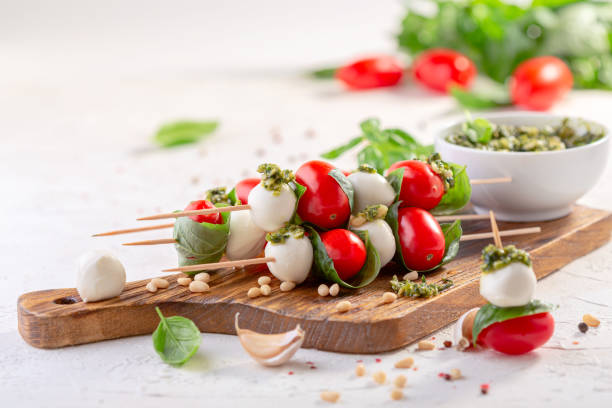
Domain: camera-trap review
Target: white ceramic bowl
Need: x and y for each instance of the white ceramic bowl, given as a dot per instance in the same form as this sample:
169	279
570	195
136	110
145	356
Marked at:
544	184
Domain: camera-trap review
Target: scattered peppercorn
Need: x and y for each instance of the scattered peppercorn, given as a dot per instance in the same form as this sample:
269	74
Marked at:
484	388
447	376
448	343
583	327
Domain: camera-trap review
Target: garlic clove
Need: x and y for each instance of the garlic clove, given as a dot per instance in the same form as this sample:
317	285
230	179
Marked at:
463	327
270	349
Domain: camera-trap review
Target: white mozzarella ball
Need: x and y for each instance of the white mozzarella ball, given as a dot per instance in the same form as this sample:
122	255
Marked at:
270	212
370	189
512	285
100	275
246	240
382	238
293	259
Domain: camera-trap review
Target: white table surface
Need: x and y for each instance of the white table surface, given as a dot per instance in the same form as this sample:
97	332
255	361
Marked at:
83	87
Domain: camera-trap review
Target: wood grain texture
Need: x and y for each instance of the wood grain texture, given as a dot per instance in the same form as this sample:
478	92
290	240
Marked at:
58	318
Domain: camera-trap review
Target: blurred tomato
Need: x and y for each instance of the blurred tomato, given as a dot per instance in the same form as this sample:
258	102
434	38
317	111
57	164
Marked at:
244	187
214	218
370	73
439	69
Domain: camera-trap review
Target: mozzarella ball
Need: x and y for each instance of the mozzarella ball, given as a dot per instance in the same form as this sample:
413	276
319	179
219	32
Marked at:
382	238
512	285
100	275
270	212
370	189
293	259
246	240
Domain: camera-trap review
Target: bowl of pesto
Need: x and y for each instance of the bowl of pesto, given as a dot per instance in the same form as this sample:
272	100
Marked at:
552	160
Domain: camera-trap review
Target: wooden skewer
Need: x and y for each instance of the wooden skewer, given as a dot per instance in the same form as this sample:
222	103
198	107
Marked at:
506	233
219	265
152	242
462	217
495	230
494	180
179	214
130	230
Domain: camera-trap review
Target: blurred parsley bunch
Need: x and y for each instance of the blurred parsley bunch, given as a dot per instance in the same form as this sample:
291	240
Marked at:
497	36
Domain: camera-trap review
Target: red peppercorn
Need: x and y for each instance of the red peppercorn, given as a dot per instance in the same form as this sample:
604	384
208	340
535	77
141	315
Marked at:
484	388
448	343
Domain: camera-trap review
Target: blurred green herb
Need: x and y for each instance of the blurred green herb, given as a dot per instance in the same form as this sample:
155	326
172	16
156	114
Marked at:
176	339
497	36
324	73
383	147
183	132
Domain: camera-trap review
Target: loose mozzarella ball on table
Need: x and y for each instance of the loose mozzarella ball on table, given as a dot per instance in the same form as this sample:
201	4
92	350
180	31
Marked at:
507	279
100	276
272	201
292	252
370	188
371	219
246	240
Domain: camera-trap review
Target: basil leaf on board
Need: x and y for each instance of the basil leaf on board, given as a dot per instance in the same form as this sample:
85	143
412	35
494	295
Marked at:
176	339
345	185
324	266
489	314
395	178
183	132
299	191
338	151
456	197
198	243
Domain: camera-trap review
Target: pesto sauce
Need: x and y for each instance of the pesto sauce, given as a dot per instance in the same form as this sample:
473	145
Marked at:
283	234
442	169
273	178
495	258
509	138
419	289
366	168
218	195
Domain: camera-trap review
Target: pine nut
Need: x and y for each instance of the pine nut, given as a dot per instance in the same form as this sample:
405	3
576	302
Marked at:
405	363
590	320
198	286
400	381
151	287
426	345
397	394
264	280
389	297
254	292
265	290
323	290
287	286
334	289
379	377
330	396
183	281
463	344
202	277
360	370
382	211
343	306
455	374
160	283
411	276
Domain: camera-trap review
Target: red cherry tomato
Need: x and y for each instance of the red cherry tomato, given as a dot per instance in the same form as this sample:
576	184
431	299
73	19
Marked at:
519	335
439	69
540	82
214	218
421	238
421	186
369	73
324	203
346	250
244	187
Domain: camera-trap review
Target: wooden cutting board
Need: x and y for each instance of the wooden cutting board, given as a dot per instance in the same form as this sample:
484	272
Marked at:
57	318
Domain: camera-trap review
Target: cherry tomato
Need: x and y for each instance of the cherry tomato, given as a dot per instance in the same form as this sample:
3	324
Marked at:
346	250
324	203
421	238
519	335
369	73
439	69
244	187
540	82
214	218
421	186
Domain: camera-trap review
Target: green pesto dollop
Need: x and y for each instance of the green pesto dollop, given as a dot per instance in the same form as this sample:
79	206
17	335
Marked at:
495	258
419	289
273	178
283	234
218	195
373	212
366	168
484	135
442	169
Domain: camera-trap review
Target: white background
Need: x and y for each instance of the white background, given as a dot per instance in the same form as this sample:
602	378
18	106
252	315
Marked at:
84	84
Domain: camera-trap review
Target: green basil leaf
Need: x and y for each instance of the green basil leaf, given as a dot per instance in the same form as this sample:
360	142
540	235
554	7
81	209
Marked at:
345	185
324	73
452	236
176	339
456	197
183	132
338	151
371	130
401	137
324	266
395	178
472	100
198	243
299	191
374	157
234	197
393	222
489	314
